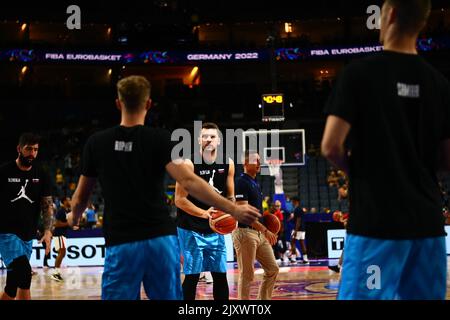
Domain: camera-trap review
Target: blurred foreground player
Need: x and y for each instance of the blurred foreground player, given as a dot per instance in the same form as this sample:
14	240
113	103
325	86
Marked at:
203	249
397	105
130	161
24	192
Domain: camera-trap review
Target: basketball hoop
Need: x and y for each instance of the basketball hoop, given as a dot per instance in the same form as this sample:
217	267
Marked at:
274	166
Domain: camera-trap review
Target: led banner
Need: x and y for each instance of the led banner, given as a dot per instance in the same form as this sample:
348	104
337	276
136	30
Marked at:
147	57
204	57
295	54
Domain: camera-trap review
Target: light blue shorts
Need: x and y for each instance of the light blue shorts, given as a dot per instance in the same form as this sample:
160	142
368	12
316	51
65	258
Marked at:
12	247
202	252
154	262
393	269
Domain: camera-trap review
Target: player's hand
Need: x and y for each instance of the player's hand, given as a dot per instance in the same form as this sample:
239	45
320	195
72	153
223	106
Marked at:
71	220
47	238
208	213
246	214
272	238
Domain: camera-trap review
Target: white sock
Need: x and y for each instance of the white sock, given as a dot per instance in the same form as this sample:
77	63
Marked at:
305	257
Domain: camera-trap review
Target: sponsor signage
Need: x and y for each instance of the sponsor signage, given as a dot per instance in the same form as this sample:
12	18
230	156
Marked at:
336	240
83	252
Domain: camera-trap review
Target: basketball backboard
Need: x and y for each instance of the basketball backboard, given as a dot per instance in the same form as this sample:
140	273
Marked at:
287	146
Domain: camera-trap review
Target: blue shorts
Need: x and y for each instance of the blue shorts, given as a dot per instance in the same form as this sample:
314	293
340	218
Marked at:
12	247
154	262
202	252
393	269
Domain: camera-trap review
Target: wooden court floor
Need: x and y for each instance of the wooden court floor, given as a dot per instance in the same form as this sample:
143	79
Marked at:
294	282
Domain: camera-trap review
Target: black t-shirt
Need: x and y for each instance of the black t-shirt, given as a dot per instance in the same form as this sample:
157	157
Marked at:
299	213
130	165
61	215
216	175
248	189
399	110
21	193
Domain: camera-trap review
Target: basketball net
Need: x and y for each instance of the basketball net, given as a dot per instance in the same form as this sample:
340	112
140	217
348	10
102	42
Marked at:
274	167
275	171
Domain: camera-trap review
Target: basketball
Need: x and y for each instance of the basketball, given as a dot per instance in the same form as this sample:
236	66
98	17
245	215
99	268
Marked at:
272	223
222	223
337	216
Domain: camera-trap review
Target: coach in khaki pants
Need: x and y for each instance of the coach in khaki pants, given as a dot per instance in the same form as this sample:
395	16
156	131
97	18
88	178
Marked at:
253	241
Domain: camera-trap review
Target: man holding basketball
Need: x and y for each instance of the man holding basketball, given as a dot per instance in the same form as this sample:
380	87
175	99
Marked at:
253	240
393	102
202	248
131	160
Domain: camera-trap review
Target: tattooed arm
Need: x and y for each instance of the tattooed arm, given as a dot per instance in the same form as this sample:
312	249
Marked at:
47	213
47	217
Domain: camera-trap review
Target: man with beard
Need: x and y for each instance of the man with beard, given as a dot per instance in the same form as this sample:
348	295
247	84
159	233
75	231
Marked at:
202	248
24	192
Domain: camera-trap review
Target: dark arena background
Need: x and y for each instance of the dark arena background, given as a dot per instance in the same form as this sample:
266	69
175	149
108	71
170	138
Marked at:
240	64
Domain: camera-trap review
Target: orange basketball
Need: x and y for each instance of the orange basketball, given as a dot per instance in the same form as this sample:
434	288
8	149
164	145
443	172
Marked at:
222	223
337	216
272	223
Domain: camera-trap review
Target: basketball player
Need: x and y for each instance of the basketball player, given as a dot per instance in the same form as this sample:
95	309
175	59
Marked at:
253	240
397	104
343	218
130	161
59	236
24	192
202	248
299	232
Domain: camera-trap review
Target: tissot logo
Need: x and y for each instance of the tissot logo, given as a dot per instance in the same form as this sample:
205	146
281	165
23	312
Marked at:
337	243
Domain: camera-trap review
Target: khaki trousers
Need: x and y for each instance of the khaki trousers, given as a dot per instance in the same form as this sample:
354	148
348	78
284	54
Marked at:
251	245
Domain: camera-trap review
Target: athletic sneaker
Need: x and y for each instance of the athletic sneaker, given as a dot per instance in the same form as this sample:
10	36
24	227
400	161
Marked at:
57	277
335	268
305	259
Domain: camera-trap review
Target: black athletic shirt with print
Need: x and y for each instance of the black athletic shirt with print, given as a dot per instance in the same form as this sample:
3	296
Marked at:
215	175
129	163
21	193
399	110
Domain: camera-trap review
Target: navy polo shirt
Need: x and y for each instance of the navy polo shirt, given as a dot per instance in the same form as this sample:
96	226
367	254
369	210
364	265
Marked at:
248	189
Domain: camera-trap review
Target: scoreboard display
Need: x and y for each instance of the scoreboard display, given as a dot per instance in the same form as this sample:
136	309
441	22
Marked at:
272	107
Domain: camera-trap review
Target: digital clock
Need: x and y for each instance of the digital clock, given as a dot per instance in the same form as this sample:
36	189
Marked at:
273	107
272	98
